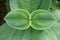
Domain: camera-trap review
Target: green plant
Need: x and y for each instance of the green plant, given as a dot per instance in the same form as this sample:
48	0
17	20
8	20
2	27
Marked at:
31	20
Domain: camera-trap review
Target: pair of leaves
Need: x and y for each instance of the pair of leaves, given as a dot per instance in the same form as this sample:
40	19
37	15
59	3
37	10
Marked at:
21	19
30	5
8	33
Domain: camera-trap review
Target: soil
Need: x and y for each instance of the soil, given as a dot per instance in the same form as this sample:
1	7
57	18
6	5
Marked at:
2	10
58	0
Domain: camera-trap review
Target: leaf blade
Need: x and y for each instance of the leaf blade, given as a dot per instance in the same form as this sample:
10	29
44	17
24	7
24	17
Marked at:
56	30
8	33
30	5
18	19
42	19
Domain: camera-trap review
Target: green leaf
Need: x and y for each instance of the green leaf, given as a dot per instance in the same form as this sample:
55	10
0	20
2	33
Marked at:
56	29
13	4
8	33
30	5
54	4
48	35
57	14
18	19
42	19
45	4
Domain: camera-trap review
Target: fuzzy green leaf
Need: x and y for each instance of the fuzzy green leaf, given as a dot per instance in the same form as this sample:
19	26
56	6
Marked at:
8	33
45	4
57	14
48	35
42	19
18	19
56	29
30	5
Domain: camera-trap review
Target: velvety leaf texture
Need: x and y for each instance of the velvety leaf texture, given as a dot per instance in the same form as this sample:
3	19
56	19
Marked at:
30	5
18	19
57	14
48	35
42	19
31	20
56	29
21	19
8	33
